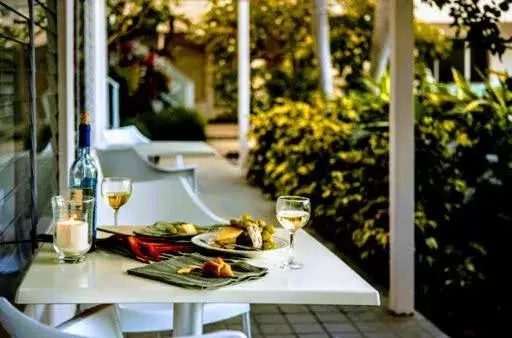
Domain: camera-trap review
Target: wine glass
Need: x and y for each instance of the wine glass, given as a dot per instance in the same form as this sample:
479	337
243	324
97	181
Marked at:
292	213
116	191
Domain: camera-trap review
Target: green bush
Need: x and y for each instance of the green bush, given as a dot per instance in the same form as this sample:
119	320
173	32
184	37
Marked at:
173	123
282	49
337	154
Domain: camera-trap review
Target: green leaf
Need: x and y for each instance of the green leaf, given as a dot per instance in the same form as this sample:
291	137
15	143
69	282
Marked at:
469	266
474	105
431	243
463	85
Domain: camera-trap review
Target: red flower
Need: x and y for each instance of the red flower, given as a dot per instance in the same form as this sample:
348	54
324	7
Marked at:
127	46
149	60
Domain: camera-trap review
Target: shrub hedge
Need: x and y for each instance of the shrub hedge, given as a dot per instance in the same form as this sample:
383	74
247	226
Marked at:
336	153
172	123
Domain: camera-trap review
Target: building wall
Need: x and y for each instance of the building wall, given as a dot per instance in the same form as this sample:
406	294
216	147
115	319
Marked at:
505	64
495	63
193	62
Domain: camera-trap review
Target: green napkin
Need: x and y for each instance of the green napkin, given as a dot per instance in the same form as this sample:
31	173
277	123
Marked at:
166	271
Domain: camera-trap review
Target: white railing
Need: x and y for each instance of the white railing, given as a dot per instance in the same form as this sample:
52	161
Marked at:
182	88
114	102
182	93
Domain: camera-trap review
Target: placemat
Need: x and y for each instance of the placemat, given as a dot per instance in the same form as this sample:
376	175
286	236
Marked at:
167	271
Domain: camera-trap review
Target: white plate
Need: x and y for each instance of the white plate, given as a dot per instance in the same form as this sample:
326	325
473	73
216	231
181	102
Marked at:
202	240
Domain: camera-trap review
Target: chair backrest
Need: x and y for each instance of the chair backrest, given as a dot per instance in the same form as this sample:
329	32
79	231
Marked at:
126	162
220	334
19	325
170	199
98	321
127	135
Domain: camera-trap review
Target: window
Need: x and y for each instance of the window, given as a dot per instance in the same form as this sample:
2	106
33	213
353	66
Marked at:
455	60
479	63
468	61
28	130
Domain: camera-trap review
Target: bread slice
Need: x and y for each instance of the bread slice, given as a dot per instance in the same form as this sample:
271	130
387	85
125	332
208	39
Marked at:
228	235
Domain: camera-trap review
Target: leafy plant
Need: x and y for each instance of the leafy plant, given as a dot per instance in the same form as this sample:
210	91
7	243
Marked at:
338	154
282	50
173	123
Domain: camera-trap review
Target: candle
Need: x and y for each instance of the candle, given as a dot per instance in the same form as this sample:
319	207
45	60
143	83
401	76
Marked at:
72	235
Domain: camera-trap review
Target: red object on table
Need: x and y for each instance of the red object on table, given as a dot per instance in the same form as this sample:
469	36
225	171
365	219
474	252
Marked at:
146	250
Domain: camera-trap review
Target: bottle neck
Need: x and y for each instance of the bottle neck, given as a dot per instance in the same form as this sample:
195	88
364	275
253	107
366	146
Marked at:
84	140
86	151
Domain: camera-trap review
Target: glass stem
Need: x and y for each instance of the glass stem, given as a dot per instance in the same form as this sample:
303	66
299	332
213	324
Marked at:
291	257
116	211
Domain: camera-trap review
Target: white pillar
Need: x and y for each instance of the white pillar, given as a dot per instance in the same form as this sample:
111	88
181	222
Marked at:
401	293
96	98
66	97
381	39
322	46
244	80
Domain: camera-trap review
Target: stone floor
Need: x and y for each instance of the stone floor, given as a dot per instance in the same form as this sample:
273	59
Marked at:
219	179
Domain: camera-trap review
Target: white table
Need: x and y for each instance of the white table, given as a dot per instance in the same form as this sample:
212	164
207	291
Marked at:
102	278
174	148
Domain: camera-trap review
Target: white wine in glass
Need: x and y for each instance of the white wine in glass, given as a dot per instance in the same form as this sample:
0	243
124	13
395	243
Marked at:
293	213
116	191
117	199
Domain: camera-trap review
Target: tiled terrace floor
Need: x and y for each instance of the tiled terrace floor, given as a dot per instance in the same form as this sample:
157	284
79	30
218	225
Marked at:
224	190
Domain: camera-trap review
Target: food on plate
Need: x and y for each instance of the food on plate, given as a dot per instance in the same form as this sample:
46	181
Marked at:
217	268
228	235
246	232
176	228
212	268
188	269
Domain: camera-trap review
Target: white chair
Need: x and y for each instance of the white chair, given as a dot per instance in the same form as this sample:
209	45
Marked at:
128	135
167	199
220	334
100	321
126	162
159	317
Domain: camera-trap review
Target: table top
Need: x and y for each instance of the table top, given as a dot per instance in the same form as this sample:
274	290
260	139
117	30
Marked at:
175	148
102	278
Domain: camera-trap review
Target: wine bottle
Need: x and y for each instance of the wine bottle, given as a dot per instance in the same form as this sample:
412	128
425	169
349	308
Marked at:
83	173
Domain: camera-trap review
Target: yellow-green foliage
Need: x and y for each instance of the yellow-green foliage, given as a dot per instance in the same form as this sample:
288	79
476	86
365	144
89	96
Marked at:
337	155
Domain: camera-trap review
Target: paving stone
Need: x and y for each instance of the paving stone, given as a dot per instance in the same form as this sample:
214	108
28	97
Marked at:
214	327
371	327
142	335
380	335
275	329
264	308
294	308
329	317
363	316
414	333
325	308
347	327
270	318
430	328
401	324
235	327
314	335
301	318
308	328
234	320
356	308
347	335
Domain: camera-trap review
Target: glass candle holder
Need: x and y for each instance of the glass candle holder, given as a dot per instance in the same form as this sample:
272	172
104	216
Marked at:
72	224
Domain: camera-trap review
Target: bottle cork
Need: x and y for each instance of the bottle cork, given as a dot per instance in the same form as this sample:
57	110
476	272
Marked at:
85	117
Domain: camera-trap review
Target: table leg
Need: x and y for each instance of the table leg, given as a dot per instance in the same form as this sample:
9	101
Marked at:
188	319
